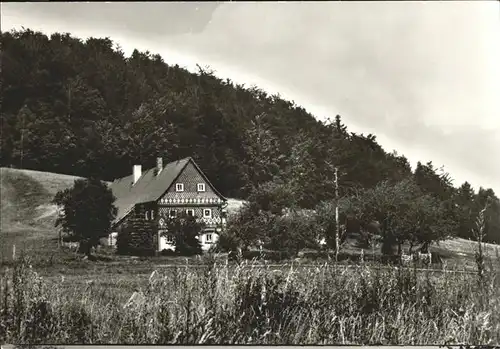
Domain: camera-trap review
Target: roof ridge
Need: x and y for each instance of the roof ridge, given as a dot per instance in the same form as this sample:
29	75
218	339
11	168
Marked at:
168	163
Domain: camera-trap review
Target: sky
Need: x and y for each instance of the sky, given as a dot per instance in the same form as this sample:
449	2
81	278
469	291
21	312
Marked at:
421	76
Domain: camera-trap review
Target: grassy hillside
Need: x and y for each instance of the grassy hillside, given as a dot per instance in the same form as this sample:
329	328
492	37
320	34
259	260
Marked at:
26	196
27	215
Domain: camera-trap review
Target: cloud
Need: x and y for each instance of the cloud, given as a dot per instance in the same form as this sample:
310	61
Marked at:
419	74
153	19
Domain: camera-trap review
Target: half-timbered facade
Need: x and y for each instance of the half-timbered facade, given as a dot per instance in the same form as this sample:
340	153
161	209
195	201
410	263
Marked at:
151	197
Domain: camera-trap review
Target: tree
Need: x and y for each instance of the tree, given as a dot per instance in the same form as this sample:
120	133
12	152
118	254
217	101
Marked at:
405	214
292	232
270	219
262	149
249	227
87	212
426	221
465	201
487	200
186	230
430	181
383	204
387	204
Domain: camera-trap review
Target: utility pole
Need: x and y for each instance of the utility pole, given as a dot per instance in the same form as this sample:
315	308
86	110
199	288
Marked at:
337	225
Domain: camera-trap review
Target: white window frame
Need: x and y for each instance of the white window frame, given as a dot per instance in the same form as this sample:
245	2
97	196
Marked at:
209	215
169	238
147	215
172	215
201	187
209	238
190	209
179	187
152	214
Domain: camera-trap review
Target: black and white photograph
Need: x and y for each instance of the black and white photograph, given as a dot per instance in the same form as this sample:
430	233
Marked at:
250	173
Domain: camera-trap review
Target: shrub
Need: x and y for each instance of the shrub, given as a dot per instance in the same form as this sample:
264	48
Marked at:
186	230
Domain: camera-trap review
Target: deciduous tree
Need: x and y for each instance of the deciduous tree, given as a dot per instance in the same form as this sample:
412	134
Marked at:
87	212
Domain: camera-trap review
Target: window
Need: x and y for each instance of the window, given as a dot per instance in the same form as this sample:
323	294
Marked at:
201	186
190	212
152	214
147	217
169	238
179	187
208	238
173	213
207	213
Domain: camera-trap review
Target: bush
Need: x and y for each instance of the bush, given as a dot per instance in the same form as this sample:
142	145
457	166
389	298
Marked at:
228	242
186	230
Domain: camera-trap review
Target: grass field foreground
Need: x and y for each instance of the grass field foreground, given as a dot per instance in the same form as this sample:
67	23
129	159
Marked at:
244	304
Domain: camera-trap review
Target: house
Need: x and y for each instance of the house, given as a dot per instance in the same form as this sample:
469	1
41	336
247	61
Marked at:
152	196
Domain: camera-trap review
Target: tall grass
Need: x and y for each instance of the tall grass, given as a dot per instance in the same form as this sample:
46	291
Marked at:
245	304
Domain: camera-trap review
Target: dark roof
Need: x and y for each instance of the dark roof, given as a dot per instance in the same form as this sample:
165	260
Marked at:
149	187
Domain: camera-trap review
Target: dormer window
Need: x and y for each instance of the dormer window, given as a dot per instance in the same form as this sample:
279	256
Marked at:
201	186
179	187
190	212
207	213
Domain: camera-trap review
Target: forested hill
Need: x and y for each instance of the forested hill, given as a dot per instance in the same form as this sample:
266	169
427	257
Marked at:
83	108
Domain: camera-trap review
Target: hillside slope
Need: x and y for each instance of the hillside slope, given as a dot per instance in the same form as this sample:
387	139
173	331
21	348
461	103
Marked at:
27	215
26	198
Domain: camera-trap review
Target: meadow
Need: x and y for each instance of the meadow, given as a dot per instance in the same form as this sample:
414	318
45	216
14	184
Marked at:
247	303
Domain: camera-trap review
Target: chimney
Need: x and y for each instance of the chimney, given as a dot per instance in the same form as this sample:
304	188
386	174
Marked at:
159	165
137	172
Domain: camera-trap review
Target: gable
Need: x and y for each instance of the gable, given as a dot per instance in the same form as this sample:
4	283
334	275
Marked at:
151	187
190	177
